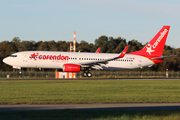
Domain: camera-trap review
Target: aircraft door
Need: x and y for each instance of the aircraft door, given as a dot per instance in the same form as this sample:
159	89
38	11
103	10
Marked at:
25	57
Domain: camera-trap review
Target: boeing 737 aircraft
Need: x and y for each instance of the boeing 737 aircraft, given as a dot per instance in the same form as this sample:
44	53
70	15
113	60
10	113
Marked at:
76	61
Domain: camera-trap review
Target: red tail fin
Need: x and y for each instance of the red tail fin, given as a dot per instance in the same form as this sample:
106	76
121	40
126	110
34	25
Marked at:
156	46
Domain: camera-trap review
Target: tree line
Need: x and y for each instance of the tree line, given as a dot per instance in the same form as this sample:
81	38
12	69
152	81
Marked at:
107	44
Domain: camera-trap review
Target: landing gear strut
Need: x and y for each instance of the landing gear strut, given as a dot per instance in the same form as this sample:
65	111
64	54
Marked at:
20	71
86	72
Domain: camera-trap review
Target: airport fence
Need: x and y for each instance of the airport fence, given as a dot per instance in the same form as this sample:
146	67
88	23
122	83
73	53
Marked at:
96	74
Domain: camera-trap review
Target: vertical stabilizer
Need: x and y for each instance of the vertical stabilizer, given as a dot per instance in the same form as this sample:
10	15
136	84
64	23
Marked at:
156	46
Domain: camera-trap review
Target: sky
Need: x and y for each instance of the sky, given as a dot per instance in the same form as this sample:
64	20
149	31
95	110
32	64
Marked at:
46	20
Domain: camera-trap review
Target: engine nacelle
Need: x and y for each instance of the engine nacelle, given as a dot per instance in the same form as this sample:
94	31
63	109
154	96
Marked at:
71	68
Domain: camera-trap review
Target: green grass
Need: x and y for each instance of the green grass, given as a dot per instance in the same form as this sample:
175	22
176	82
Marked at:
92	115
89	91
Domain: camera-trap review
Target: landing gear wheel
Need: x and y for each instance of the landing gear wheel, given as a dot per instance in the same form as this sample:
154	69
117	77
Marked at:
89	74
85	74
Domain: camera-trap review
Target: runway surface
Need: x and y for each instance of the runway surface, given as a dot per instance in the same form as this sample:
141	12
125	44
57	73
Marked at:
98	106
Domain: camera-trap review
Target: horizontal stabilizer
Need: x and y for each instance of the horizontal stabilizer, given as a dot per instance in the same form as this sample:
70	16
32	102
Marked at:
159	58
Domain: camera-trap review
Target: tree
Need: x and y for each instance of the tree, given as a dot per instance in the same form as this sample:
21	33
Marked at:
112	44
103	43
16	40
43	46
6	49
120	47
26	46
84	46
52	45
63	45
134	45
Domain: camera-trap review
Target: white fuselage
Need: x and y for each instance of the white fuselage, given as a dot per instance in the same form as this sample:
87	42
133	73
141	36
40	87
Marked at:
55	60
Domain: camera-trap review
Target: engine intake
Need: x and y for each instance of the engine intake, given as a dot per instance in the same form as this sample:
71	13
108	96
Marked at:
71	68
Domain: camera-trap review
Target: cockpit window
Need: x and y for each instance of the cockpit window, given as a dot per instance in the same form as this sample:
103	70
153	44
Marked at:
13	56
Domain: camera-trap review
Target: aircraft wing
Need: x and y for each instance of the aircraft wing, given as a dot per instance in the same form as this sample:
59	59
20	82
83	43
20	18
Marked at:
98	64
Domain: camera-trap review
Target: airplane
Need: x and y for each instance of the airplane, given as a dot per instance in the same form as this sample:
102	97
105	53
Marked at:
76	61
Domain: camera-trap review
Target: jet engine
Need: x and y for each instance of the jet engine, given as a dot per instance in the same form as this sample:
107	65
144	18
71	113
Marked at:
71	68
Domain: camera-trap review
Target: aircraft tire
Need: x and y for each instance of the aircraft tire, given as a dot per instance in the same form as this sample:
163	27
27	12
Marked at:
85	74
89	74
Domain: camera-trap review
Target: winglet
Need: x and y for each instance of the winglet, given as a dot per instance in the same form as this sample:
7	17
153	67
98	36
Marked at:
98	50
123	52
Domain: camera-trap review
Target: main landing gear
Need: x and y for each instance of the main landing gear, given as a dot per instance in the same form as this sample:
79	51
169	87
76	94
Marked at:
86	72
20	71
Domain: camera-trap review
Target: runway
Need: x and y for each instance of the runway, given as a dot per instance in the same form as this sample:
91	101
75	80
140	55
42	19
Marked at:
98	106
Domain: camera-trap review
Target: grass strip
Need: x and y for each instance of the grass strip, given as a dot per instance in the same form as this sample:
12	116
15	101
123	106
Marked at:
79	91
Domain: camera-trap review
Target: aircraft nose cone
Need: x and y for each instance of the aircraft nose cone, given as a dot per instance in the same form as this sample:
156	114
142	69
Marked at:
6	60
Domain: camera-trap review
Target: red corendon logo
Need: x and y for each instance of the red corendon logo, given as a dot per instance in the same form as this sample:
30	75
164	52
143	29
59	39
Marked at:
48	57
